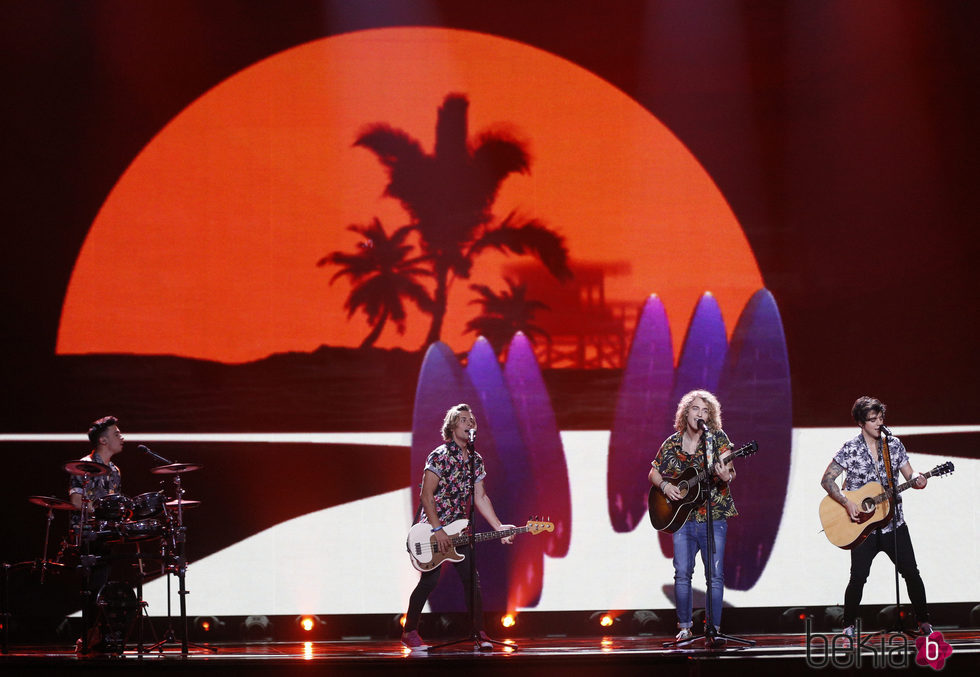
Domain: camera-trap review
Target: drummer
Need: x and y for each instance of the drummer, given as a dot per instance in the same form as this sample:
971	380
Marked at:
108	440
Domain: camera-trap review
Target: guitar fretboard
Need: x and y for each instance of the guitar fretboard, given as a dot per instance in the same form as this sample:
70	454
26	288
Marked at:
463	539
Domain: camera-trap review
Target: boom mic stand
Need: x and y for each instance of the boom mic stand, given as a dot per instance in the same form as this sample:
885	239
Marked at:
712	638
896	500
474	636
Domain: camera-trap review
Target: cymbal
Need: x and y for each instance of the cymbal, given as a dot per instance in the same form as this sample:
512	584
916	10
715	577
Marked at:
175	468
52	502
90	468
186	504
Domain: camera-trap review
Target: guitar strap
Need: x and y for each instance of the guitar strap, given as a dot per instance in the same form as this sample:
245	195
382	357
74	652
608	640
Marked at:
888	469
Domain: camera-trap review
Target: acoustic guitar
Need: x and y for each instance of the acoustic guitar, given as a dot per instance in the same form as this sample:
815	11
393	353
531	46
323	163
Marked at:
876	509
669	516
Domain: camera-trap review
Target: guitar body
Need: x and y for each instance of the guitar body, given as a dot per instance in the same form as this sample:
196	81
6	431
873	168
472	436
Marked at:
667	515
837	524
422	547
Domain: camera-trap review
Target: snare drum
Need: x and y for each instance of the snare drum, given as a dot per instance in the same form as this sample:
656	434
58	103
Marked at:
113	508
141	530
150	504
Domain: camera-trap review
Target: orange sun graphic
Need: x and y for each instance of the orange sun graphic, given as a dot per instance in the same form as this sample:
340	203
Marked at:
207	245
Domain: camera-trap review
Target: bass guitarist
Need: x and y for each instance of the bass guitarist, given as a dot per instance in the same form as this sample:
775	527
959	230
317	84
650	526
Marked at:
445	498
863	460
698	431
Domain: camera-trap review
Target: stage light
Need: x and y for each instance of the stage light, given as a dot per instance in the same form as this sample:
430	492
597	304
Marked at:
646	621
793	619
833	617
257	628
308	622
208	624
508	620
401	620
888	619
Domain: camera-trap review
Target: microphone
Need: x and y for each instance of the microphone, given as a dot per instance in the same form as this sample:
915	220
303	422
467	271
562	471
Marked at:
146	450
472	433
886	431
702	425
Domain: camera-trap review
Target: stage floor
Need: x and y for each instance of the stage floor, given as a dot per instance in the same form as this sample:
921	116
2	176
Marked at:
771	654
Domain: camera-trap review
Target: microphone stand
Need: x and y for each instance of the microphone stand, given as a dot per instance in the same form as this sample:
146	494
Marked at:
897	625
712	638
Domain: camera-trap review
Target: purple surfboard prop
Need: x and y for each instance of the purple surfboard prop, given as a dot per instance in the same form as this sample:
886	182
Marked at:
700	365
756	399
639	425
539	429
511	485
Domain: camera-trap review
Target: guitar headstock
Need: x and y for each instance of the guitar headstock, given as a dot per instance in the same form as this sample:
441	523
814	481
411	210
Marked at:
942	469
747	450
536	526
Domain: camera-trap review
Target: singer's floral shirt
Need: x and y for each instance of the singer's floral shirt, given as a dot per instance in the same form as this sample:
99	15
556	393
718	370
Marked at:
671	461
855	458
452	496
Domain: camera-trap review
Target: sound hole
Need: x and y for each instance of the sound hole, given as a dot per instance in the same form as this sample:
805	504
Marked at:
867	505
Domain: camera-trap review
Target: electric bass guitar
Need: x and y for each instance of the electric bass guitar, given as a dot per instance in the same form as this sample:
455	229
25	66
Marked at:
876	509
424	550
669	516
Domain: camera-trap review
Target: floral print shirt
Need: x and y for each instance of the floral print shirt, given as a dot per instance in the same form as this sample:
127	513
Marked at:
855	458
671	461
97	487
452	495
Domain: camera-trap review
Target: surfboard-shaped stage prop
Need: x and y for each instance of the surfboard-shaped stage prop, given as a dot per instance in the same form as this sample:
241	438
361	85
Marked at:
756	400
643	417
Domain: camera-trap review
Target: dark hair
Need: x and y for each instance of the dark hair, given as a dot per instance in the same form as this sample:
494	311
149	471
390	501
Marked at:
97	428
864	407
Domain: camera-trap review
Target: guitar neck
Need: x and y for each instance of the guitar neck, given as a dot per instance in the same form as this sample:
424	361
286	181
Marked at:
463	539
901	487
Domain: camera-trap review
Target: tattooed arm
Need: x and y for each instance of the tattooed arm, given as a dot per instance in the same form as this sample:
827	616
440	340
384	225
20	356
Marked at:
829	485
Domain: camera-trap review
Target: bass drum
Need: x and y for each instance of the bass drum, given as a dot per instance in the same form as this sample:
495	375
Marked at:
113	508
150	504
141	530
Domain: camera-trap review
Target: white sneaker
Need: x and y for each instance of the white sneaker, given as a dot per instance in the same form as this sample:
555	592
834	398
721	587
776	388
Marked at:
684	634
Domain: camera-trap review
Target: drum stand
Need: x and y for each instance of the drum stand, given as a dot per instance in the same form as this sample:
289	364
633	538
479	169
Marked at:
177	563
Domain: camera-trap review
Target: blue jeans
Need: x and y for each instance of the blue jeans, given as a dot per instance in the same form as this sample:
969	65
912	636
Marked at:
690	538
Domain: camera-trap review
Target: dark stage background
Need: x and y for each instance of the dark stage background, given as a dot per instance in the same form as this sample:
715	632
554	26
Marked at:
845	139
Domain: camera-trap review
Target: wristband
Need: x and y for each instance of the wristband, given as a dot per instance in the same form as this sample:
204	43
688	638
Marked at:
437	528
662	485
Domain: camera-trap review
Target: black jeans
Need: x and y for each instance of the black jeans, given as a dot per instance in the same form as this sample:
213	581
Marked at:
427	583
864	554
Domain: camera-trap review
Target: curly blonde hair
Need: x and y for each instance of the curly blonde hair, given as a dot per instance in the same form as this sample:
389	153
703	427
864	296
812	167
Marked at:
713	420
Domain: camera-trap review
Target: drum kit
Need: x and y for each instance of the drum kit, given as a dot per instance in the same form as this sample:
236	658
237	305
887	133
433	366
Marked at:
98	534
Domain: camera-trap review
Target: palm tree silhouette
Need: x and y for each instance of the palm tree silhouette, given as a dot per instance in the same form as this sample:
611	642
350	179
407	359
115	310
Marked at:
381	276
449	194
505	314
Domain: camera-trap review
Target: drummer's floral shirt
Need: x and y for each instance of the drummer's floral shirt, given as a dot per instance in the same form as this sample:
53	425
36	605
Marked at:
453	493
97	487
671	461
